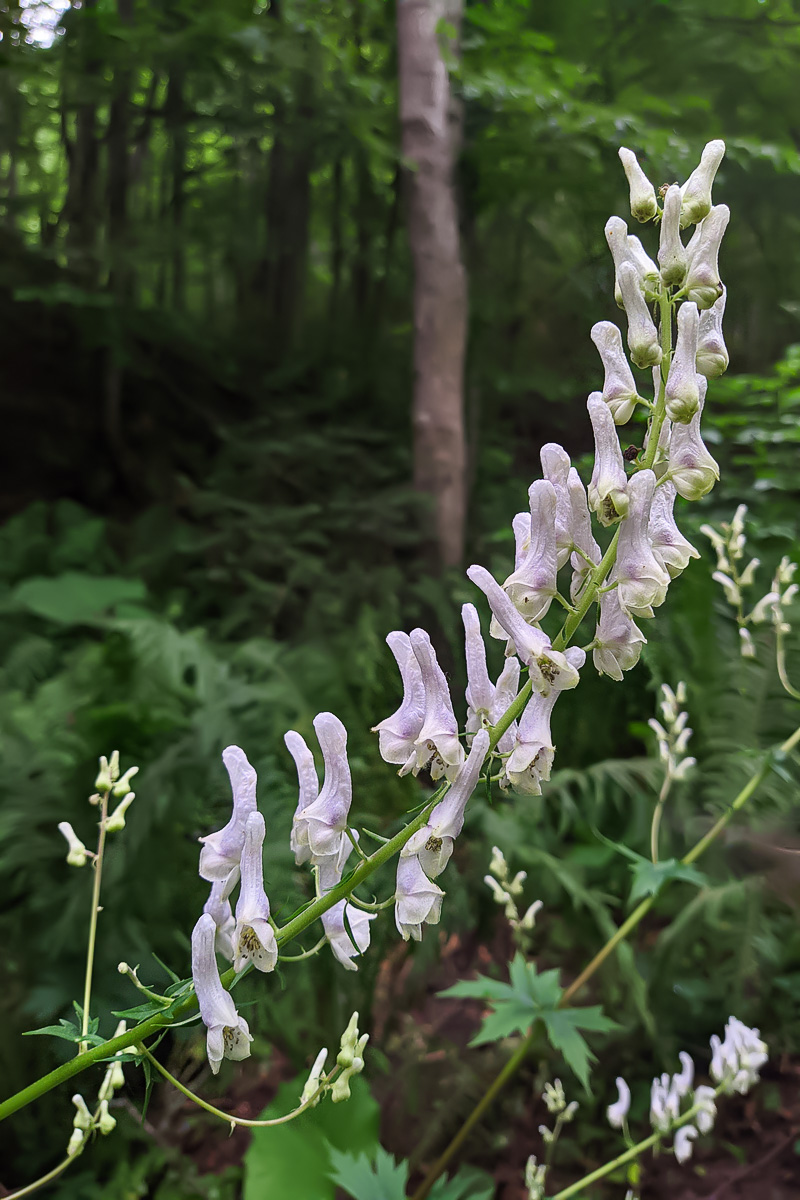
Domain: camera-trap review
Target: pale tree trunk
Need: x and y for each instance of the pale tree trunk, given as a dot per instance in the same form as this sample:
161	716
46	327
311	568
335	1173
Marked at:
430	136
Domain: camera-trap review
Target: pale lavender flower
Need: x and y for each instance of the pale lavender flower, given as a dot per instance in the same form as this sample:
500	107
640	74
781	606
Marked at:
254	938
218	907
682	1082
618	640
617	1113
692	468
320	826
619	386
736	1061
418	900
531	760
696	192
433	843
308	783
642	580
228	1035
556	468
532	585
582	536
437	743
670	547
644	205
608	488
222	850
703	284
643	344
682	390
712	353
671	251
337	919
398	733
486	702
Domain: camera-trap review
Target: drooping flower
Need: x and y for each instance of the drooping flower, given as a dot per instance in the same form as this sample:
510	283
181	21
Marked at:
486	702
671	251
643	344
228	1035
76	851
670	547
608	488
642	581
703	284
618	1112
618	640
643	195
346	926
418	900
320	825
308	784
692	468
531	760
218	907
619	386
532	585
696	192
555	468
437	742
398	733
222	850
682	390
254	938
586	548
433	843
712	353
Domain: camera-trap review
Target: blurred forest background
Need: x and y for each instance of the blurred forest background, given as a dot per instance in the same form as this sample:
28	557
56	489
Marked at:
209	525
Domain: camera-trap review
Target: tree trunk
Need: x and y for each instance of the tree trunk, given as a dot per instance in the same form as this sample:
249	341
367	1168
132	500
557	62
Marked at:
429	144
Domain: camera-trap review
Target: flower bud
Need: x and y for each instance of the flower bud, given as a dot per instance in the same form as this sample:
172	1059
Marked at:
105	1121
83	1118
692	468
642	334
627	249
116	821
619	386
75	1143
671	251
313	1081
123	784
712	353
644	205
608	489
682	390
104	781
683	1142
618	1112
703	284
696	192
77	853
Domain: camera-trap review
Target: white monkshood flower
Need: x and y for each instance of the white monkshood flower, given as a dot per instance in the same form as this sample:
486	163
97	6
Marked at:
335	920
83	1118
618	640
703	284
533	584
736	1061
660	1104
312	1084
418	900
706	1098
350	1059
222	850
619	386
531	760
114	1077
626	249
502	896
670	547
618	1111
608	488
696	192
116	822
105	1122
646	268
505	694
643	344
582	536
683	1142
692	468
480	689
554	1097
321	825
535	1178
228	1035
644	205
682	1082
76	852
398	733
254	938
547	667
218	907
438	747
308	785
747	646
712	353
76	1143
642	580
671	251
682	391
433	843
556	468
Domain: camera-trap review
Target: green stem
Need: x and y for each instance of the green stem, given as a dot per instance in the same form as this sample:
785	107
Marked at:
98	875
657	815
45	1179
660	411
780	657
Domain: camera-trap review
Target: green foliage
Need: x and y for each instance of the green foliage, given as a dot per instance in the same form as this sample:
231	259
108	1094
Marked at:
379	1179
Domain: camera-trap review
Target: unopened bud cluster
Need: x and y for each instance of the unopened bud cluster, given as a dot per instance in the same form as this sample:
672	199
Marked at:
84	1121
674	734
507	892
109	785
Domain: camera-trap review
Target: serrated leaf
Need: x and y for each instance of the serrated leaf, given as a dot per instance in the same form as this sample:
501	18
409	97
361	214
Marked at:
468	1184
381	1179
563	1027
481	988
649	877
67	1031
167	970
511	1016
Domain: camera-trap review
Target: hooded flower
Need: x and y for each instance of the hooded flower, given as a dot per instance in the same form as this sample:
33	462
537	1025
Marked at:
619	386
556	468
671	251
736	1061
254	938
218	907
320	826
228	1035
618	641
308	783
533	584
582	537
643	343
618	1112
608	489
712	353
643	195
682	390
398	733
222	850
437	742
696	192
703	284
532	757
76	851
343	920
433	843
486	702
418	901
670	547
692	468
642	580
627	249
544	664
706	1098
683	1142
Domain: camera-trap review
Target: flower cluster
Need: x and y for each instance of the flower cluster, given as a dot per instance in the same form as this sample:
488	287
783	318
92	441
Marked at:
109	785
507	891
85	1121
673	736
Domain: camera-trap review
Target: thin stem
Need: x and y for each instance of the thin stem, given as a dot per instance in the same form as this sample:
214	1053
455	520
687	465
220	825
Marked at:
657	815
306	953
98	875
378	906
45	1179
354	842
660	411
780	658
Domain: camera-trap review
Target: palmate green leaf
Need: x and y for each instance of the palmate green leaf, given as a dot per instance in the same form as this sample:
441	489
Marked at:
649	877
467	1184
563	1027
380	1179
514	1015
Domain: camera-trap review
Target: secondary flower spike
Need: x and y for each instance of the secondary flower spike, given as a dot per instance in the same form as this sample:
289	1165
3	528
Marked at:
703	284
672	257
397	734
555	468
619	386
643	343
670	547
712	353
222	850
321	826
618	640
642	580
433	843
533	584
682	390
437	743
308	784
254	938
418	900
531	760
692	468
644	205
228	1035
696	192
608	488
